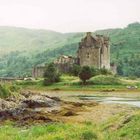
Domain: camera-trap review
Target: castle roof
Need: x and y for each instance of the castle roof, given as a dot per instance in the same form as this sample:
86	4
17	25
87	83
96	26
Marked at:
90	41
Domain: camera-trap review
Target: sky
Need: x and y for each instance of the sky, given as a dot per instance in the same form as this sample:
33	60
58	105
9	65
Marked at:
69	15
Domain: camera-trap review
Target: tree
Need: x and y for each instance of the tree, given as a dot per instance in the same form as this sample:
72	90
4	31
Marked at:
120	68
51	74
85	73
75	70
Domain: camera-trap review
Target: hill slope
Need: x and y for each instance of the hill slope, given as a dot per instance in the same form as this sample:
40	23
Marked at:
22	39
32	47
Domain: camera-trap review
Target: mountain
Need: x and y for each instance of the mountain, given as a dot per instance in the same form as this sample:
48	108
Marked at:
23	48
22	39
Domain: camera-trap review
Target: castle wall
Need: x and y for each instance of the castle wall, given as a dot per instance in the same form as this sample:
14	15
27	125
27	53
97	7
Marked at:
105	57
113	68
38	72
94	51
64	63
89	56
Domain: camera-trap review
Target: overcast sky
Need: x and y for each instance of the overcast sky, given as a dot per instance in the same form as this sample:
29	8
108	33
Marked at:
69	15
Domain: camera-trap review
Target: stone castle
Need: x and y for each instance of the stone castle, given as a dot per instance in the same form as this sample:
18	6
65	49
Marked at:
93	51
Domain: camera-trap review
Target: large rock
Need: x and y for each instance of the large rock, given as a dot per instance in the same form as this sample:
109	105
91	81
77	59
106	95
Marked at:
7	104
27	105
35	101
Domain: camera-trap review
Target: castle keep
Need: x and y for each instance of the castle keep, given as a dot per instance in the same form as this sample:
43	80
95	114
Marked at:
94	51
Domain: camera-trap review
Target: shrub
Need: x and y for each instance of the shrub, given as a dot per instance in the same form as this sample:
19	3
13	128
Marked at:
95	71
104	71
75	70
105	80
13	88
47	81
51	74
4	91
85	73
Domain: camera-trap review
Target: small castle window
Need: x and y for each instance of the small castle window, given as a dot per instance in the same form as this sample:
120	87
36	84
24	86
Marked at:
88	55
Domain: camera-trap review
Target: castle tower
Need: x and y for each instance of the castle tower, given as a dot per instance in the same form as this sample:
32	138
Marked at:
94	51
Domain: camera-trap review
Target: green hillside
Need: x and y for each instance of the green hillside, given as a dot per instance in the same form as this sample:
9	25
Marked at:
33	47
22	39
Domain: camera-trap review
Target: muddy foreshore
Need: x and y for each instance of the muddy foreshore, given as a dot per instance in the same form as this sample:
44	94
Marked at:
34	108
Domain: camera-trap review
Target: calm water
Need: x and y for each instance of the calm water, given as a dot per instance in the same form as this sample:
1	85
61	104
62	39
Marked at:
113	100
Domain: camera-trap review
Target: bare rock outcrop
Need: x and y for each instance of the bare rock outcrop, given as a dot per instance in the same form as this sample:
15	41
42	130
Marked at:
31	108
27	108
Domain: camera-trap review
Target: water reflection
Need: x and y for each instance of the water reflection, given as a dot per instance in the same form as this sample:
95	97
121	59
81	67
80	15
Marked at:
115	100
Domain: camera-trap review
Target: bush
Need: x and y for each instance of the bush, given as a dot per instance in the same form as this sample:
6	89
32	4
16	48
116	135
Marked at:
51	74
94	71
4	91
105	80
14	88
104	71
47	82
85	73
75	70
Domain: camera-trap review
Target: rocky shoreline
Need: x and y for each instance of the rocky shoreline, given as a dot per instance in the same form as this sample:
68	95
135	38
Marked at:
32	108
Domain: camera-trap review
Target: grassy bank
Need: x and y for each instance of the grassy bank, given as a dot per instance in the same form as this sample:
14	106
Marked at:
97	83
7	90
119	127
122	126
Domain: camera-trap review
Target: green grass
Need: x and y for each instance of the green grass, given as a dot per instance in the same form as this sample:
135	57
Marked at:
7	90
105	80
116	128
97	83
129	129
126	130
58	131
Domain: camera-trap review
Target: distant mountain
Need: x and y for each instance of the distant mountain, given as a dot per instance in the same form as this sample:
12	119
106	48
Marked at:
22	39
24	48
